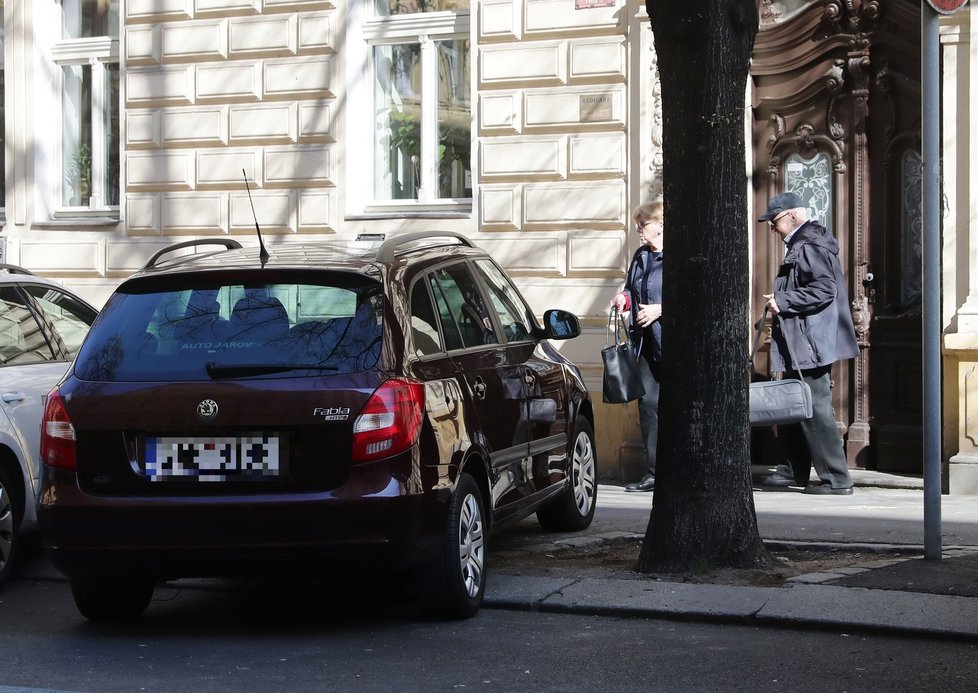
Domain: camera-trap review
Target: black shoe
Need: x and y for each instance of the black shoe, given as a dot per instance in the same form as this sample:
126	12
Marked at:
646	484
779	480
824	489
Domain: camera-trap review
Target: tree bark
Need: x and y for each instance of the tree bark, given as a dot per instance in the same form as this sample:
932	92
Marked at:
703	509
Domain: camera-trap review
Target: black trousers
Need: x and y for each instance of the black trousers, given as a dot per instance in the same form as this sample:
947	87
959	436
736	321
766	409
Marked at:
648	406
816	442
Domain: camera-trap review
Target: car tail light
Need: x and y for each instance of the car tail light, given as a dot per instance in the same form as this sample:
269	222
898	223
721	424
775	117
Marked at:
57	434
390	422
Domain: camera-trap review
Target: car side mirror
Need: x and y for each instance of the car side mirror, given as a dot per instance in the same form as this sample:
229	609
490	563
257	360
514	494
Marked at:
561	324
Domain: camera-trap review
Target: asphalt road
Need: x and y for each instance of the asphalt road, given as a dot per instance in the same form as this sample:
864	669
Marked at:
206	637
365	635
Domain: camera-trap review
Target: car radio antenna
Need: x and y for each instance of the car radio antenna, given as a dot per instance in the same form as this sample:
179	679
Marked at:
262	254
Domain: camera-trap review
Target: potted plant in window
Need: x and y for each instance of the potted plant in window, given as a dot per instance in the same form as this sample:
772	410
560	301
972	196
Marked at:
78	175
406	141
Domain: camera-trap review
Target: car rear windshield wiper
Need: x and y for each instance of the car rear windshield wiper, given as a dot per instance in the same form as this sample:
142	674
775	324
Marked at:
233	370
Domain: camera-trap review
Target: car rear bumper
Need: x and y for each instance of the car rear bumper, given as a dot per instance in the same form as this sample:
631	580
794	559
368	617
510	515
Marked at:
186	536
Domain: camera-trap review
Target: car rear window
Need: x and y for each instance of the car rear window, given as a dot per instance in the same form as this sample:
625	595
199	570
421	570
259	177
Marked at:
236	329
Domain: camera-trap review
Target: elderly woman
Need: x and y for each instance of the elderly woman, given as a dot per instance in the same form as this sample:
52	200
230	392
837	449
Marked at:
642	298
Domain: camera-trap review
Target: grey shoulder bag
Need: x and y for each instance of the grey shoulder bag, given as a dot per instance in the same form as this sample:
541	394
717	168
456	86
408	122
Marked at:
776	402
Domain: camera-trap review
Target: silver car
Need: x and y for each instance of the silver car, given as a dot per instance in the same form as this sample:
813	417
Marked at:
42	324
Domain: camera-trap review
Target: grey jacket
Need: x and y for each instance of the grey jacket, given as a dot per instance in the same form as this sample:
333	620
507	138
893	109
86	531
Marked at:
814	327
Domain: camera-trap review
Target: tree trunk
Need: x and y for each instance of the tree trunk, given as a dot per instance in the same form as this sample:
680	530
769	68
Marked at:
703	509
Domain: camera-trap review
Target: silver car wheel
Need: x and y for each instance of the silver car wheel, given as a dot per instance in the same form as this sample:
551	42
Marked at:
583	472
471	545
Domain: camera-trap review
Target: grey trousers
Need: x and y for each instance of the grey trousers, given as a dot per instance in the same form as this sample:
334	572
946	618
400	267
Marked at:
648	408
816	442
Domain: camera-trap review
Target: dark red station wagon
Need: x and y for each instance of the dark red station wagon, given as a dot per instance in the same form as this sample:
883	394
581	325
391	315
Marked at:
362	403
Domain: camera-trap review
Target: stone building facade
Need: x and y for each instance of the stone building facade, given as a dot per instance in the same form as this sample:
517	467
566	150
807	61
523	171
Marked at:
530	125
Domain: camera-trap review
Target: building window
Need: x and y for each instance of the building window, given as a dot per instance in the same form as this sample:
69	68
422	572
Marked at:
812	180
416	91
88	58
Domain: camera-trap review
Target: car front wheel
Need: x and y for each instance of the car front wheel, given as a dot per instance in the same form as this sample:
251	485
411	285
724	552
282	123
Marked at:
112	600
573	509
453	582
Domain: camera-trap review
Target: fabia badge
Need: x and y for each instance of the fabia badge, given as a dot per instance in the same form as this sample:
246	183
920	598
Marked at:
207	409
332	413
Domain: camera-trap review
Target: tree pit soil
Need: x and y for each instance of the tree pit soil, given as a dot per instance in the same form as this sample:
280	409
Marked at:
618	560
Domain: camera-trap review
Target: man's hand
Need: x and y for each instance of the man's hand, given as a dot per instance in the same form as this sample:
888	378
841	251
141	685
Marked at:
772	305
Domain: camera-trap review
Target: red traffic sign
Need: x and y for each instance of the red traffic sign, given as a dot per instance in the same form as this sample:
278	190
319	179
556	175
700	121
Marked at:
947	6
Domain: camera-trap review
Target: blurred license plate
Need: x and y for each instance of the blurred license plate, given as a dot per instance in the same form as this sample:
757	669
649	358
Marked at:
212	459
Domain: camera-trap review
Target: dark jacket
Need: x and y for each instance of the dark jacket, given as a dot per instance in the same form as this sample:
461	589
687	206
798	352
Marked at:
643	284
814	327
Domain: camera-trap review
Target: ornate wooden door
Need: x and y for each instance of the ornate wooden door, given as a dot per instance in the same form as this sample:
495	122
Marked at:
836	106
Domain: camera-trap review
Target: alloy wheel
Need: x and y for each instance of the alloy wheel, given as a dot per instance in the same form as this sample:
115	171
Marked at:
471	546
583	471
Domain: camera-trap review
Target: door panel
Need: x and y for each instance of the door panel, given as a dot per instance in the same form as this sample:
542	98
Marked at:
495	386
542	375
28	371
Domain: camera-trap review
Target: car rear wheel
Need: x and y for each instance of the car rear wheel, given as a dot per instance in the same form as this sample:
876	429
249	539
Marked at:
112	600
453	582
573	509
9	521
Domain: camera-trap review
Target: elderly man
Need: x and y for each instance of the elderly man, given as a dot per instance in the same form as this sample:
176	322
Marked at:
812	329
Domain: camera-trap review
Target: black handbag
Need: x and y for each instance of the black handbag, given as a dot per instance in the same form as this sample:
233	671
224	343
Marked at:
622	381
776	402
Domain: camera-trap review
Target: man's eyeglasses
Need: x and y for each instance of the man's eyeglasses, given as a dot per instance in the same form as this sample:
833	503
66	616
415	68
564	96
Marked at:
640	226
778	218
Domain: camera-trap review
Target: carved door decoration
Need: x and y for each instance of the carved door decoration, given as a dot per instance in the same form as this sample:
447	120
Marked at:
836	105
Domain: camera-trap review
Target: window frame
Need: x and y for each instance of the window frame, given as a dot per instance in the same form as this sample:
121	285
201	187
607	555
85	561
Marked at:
41	347
95	52
365	31
74	313
526	319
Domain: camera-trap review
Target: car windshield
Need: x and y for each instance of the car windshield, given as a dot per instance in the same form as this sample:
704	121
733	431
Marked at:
236	329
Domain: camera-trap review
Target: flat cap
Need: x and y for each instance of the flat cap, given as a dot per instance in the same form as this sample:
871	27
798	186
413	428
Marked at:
781	203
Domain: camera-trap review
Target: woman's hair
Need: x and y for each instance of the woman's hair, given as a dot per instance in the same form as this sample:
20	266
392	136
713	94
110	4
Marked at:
651	211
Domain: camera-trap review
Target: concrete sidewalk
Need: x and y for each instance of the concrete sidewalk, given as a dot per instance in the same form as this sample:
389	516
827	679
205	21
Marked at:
937	598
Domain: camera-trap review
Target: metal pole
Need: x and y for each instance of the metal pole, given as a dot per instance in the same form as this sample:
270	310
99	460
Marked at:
930	79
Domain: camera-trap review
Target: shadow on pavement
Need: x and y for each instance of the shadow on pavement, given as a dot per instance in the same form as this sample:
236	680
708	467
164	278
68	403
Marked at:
955	576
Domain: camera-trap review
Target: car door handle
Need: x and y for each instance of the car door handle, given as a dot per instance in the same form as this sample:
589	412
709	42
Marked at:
480	388
10	397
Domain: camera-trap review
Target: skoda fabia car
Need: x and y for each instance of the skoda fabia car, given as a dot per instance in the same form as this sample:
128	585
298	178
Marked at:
371	403
42	324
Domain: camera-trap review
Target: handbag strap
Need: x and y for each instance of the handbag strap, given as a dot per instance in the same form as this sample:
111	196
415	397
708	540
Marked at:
616	326
759	326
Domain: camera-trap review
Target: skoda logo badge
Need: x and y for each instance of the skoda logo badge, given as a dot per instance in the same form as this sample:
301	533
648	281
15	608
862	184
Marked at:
207	409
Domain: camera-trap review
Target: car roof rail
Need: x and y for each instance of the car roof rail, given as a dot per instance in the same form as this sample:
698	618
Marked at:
15	269
228	243
389	248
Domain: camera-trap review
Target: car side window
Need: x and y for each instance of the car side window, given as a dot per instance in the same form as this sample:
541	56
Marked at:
424	330
465	320
68	317
21	338
514	315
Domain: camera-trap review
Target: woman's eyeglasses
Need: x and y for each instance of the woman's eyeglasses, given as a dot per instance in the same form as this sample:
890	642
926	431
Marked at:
641	225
